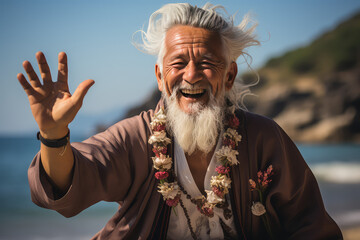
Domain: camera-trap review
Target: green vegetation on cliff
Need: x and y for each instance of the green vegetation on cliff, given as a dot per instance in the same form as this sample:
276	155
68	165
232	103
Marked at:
337	50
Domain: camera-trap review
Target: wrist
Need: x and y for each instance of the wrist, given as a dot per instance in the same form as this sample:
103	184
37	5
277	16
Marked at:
55	133
55	143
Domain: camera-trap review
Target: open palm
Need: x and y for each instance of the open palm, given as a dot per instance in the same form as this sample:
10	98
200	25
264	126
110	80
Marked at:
52	105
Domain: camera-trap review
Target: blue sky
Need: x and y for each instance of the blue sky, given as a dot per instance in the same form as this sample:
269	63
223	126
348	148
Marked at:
96	35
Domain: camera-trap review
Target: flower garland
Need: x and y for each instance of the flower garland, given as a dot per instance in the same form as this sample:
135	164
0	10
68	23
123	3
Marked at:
220	184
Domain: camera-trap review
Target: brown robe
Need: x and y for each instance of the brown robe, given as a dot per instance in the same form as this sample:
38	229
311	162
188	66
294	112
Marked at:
116	166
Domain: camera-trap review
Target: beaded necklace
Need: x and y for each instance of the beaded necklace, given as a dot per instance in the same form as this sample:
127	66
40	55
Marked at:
220	184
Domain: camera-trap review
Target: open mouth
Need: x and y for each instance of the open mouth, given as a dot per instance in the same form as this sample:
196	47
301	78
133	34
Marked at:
192	93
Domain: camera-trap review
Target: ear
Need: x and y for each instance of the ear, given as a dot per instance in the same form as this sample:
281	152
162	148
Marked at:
231	75
158	77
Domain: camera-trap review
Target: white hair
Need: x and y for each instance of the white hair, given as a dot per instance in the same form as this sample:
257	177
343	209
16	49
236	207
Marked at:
198	130
235	38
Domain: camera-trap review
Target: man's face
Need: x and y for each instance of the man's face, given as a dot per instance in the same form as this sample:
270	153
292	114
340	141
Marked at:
195	60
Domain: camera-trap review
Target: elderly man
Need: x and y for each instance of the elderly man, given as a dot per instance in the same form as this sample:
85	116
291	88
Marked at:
197	166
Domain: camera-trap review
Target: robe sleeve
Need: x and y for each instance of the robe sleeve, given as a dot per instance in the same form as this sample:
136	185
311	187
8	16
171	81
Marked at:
103	169
293	200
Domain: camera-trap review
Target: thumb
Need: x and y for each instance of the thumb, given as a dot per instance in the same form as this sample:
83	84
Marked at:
81	91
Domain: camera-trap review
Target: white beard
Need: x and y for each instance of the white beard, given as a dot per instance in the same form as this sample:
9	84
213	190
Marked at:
199	129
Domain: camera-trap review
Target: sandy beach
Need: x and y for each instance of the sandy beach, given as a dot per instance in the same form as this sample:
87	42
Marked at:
351	233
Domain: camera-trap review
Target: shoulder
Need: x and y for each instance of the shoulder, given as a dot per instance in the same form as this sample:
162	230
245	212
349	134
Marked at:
136	122
253	118
261	126
264	136
133	130
268	143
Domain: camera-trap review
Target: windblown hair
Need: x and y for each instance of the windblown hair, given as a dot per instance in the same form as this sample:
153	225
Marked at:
236	38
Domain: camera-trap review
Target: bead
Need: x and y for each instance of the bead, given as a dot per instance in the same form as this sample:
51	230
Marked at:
188	219
227	213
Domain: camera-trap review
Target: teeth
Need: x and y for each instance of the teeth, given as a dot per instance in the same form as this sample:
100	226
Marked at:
193	91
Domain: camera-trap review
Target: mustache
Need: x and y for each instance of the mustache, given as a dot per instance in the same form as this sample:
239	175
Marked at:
180	86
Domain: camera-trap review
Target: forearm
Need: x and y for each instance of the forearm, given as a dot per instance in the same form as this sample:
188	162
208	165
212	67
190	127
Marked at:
58	162
53	108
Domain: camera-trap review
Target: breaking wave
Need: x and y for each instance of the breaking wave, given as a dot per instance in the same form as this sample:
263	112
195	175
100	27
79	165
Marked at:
348	218
337	172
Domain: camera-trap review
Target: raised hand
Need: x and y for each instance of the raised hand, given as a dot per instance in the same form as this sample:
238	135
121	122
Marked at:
52	105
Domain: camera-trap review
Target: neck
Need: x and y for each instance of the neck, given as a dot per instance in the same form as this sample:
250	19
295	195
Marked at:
198	163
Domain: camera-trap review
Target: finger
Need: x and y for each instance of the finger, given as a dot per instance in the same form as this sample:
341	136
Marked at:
33	78
81	91
44	69
63	71
27	87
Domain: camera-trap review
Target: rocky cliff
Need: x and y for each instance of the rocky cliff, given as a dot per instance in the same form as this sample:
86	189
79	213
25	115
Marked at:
313	92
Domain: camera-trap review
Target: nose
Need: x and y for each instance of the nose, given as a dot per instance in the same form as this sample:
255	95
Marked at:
192	73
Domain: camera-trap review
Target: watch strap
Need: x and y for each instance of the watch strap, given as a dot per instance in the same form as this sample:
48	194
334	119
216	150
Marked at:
54	143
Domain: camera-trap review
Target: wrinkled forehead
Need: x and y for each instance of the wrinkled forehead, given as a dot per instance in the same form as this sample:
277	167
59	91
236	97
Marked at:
200	40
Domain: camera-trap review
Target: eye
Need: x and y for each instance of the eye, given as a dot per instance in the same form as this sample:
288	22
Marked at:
206	64
178	64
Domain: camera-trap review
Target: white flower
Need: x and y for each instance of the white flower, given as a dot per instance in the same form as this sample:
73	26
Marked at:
159	137
212	198
227	153
169	190
159	118
162	162
232	133
258	209
155	122
221	181
160	115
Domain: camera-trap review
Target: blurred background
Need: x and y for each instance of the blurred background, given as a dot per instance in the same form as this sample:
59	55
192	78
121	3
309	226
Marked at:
308	64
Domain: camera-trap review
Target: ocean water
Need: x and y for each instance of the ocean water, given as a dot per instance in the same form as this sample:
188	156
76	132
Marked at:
337	168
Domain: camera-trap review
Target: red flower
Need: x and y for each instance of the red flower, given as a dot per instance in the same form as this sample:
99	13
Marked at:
173	202
263	179
229	142
218	192
159	150
222	170
265	183
159	127
207	211
161	175
233	122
